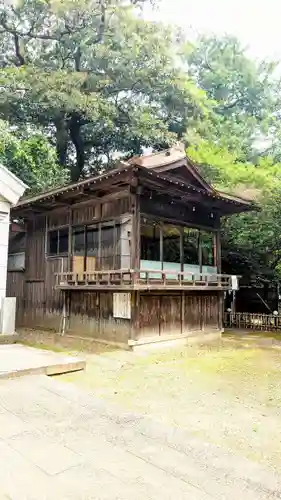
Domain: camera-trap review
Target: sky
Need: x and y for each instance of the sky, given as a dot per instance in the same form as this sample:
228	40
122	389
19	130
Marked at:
257	23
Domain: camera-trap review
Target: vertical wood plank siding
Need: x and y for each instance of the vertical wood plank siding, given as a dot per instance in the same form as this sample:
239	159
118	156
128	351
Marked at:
34	304
170	314
149	315
87	213
35	249
53	298
162	314
92	315
15	288
58	218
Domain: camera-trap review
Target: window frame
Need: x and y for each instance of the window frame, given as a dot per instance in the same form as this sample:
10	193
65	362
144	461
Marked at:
99	226
181	227
16	269
57	231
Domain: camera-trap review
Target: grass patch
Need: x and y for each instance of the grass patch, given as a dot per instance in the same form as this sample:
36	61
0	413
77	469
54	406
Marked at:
44	347
228	394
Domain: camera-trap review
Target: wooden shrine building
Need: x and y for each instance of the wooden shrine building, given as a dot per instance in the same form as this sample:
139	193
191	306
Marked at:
129	257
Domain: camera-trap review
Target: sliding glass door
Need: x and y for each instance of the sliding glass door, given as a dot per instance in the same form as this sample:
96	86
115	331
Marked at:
177	248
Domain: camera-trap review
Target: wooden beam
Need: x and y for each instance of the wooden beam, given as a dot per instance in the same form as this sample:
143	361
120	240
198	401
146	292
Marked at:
176	222
114	195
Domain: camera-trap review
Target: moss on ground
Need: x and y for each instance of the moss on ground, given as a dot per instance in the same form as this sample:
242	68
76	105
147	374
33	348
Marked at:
228	393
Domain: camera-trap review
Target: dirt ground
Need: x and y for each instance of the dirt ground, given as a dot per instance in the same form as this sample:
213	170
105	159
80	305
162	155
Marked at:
228	393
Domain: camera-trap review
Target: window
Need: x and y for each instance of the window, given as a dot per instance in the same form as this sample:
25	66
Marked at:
92	239
108	244
171	244
96	247
16	261
58	241
78	241
53	243
150	242
207	248
63	241
92	248
191	246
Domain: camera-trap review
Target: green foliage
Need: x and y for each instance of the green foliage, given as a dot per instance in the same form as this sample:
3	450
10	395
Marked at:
251	241
32	159
238	150
245	92
97	77
224	170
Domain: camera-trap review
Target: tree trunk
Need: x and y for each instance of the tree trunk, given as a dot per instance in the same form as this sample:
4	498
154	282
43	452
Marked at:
78	142
61	140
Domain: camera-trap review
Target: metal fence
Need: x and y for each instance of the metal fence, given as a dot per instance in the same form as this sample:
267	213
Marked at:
264	322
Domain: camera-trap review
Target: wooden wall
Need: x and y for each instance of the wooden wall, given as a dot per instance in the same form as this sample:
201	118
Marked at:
179	313
91	314
39	304
35	249
16	288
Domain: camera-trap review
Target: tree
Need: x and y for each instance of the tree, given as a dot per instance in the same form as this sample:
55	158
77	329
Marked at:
239	150
99	79
246	95
32	159
251	241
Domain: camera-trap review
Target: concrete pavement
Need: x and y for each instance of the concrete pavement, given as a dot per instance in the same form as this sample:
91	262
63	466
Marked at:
59	442
17	360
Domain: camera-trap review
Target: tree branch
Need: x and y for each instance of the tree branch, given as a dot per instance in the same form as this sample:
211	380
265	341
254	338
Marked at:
77	140
61	140
101	33
19	56
29	34
231	105
77	59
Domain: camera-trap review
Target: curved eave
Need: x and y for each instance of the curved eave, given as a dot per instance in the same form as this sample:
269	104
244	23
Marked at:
75	193
71	193
237	203
226	204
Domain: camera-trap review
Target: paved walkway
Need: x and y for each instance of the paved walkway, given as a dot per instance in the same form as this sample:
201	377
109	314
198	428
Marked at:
17	360
58	442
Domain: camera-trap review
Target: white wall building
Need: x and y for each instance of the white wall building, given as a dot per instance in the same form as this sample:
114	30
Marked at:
11	189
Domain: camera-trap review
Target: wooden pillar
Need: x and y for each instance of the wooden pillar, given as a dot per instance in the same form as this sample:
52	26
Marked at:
161	245
85	249
135	319
181	249
27	261
138	229
218	251
220	311
219	267
70	239
135	236
200	252
46	235
99	245
182	312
